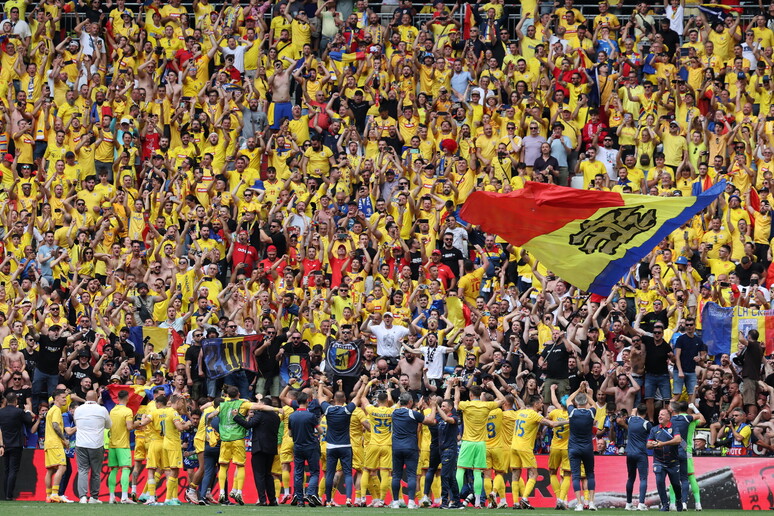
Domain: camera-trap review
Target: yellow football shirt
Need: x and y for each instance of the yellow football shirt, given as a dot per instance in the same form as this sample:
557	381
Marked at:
381	424
494	425
119	434
53	441
561	437
475	415
525	430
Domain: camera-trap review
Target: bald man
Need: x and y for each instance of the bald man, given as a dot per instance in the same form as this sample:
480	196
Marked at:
91	420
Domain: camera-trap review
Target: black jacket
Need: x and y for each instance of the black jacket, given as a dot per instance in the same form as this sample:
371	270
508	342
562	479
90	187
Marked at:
265	427
12	423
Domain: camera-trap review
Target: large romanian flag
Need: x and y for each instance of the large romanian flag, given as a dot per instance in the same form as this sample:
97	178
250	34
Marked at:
588	238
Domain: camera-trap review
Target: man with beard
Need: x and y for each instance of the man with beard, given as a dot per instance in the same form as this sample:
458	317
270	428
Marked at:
345	342
412	366
254	120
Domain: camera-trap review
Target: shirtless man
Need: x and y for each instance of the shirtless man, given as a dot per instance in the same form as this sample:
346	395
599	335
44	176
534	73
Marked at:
279	83
412	366
156	272
14	362
625	389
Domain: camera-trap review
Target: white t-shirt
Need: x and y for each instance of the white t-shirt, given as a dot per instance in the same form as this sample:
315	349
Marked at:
435	358
239	56
608	158
91	43
388	339
91	420
675	17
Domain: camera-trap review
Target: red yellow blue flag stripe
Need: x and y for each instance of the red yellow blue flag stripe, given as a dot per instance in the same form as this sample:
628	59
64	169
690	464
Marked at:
586	237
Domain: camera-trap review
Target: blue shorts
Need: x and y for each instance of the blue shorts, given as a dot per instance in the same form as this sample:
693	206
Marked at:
657	386
40	149
281	110
677	383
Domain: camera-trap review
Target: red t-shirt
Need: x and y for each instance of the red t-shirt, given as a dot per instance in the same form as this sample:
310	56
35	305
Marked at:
244	253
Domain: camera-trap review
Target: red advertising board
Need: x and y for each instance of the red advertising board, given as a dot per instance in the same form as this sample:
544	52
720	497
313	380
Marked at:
726	482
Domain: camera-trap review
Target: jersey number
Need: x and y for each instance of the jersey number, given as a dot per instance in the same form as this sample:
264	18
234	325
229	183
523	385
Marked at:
519	429
491	430
382	426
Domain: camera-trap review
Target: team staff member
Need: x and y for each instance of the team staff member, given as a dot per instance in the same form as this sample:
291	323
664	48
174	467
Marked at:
119	449
580	449
13	420
664	440
637	456
265	427
337	438
306	452
448	430
405	447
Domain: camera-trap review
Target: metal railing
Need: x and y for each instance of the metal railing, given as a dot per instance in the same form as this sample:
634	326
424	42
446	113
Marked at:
589	10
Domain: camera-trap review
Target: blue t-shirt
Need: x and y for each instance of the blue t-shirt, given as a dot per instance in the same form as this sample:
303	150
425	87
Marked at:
665	454
338	417
447	432
639	429
302	425
404	429
690	347
581	427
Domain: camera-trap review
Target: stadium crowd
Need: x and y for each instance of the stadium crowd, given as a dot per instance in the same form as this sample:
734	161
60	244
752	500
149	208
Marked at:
295	170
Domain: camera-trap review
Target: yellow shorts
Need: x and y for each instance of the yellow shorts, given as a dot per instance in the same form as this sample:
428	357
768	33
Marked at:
522	459
424	459
276	466
199	445
496	459
286	452
358	454
155	455
55	457
505	451
378	457
323	456
140	449
232	452
173	458
559	458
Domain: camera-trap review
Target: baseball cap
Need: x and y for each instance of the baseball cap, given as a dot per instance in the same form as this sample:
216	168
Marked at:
436	252
681	260
125	120
272	248
387	314
106	205
9	157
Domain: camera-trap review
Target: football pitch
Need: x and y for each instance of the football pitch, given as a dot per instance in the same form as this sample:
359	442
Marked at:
76	509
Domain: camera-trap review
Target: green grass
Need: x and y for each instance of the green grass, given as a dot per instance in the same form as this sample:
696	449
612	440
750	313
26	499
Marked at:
10	508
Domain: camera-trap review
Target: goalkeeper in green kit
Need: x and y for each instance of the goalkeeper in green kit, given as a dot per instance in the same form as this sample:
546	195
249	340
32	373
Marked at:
685	424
